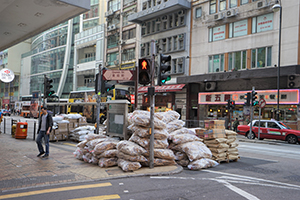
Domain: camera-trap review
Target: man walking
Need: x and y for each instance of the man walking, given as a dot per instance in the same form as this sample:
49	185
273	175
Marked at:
45	127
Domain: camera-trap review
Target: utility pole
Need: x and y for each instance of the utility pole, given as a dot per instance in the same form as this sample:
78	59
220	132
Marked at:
251	111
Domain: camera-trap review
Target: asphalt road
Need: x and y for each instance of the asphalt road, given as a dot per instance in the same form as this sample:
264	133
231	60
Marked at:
265	171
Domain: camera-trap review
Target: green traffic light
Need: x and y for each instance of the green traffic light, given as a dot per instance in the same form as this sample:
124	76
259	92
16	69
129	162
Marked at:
255	103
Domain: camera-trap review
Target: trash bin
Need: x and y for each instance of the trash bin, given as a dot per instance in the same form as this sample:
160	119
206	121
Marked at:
21	132
13	127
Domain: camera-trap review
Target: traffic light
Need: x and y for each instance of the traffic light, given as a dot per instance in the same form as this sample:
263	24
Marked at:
144	71
106	86
48	92
253	98
232	105
163	68
247	99
228	104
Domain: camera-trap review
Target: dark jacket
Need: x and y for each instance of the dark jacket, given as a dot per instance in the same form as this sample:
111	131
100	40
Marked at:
49	123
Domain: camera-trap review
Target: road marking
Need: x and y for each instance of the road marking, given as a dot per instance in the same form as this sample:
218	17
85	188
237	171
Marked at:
61	189
70	144
104	197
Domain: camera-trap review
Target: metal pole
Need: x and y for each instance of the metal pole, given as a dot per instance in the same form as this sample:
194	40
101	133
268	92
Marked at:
34	128
251	113
98	98
151	91
278	67
259	122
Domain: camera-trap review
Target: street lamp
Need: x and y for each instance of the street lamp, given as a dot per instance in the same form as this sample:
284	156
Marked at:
277	7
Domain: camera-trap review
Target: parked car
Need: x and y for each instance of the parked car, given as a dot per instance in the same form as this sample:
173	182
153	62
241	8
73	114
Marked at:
5	112
270	129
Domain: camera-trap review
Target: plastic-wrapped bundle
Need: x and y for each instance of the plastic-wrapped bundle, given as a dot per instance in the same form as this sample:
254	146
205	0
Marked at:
170	116
233	144
218	150
82	144
105	145
220	145
78	153
94	160
174	125
180	156
130	148
202	164
145	142
159	134
160	162
229	132
181	131
141	112
128	165
139	158
215	141
184	138
231	140
162	153
109	154
108	162
233	151
183	162
141	120
159	124
94	136
195	150
232	157
87	157
91	144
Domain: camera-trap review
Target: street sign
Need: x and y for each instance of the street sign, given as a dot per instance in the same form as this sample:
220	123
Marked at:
7	75
262	103
118	75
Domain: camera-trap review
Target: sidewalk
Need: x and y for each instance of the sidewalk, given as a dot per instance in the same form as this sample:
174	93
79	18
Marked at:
242	138
20	167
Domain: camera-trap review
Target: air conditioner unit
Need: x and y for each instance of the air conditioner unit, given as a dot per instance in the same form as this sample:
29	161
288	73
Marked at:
113	27
180	60
293	81
262	4
219	16
108	28
116	62
210	86
231	13
121	41
108	13
181	12
181	36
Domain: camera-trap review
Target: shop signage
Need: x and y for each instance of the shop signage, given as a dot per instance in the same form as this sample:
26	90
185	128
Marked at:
163	88
6	75
265	22
287	96
5	101
240	28
219	33
132	98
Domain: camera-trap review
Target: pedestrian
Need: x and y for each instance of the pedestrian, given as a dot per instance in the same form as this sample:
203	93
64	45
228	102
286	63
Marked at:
235	124
45	127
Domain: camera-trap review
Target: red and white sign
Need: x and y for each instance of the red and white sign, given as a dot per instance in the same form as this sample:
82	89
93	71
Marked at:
240	28
287	96
265	22
118	75
163	88
219	33
262	103
132	98
6	75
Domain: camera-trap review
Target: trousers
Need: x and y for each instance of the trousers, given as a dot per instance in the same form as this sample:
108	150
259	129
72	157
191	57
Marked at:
41	135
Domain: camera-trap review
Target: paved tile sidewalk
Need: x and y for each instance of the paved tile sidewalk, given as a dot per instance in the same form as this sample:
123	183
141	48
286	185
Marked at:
19	166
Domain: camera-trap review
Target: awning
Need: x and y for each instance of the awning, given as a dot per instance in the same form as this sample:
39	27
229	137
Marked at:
163	88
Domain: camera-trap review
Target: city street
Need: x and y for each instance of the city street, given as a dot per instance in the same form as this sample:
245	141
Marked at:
266	170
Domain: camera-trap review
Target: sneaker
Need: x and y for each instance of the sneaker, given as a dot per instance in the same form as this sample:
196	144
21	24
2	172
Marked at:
45	156
40	154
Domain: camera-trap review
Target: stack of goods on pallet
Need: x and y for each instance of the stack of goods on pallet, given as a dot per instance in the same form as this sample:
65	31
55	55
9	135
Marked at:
60	129
79	133
214	137
97	149
232	153
189	150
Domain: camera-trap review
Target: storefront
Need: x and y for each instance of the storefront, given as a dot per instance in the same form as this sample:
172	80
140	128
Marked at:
214	104
167	97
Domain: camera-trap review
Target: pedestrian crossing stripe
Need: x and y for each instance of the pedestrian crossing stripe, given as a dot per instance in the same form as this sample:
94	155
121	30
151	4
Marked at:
104	197
61	189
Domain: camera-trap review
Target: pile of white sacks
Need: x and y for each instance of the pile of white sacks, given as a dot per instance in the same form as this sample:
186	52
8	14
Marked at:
172	144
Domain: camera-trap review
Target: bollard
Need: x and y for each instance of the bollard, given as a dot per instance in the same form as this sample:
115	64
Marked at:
34	127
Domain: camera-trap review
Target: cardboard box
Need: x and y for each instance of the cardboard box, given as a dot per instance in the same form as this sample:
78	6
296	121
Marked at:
82	120
53	137
200	132
63	126
213	133
214	124
65	136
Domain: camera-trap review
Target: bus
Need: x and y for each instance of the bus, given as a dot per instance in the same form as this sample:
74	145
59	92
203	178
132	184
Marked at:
89	111
25	108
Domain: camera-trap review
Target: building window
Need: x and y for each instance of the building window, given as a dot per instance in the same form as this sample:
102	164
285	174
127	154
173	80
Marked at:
212	6
262	23
216	63
239	28
111	58
128	54
198	12
261	57
222	5
112	41
237	60
233	3
178	65
217	33
129	34
244	2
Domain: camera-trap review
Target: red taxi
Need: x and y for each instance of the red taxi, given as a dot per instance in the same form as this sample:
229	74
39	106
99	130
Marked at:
270	129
